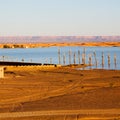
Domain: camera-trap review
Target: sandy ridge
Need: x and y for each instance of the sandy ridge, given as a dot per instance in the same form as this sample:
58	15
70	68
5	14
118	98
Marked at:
34	45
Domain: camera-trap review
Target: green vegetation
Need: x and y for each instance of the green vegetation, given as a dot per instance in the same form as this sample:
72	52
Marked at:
6	46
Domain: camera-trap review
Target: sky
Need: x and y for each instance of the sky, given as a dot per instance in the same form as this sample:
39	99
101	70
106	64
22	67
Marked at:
59	17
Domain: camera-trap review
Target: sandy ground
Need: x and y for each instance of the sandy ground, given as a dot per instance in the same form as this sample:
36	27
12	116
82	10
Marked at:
63	113
32	45
27	89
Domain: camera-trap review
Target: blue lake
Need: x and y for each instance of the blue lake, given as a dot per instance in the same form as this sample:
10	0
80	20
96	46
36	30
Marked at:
45	55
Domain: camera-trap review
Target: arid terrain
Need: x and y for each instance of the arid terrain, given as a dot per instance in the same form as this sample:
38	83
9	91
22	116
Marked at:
34	45
71	94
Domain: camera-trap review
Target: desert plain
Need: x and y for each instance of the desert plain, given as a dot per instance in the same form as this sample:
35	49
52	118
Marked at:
59	93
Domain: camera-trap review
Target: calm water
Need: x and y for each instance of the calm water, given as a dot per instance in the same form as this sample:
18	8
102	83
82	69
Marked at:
43	55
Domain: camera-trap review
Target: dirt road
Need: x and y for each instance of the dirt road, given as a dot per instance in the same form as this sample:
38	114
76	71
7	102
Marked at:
61	112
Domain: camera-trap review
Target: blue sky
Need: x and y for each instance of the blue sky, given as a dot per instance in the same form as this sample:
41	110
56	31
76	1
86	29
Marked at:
59	17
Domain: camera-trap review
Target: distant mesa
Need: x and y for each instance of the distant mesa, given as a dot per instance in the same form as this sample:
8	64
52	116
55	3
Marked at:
56	39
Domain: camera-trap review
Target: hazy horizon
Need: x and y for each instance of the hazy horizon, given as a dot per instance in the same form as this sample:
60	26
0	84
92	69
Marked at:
44	39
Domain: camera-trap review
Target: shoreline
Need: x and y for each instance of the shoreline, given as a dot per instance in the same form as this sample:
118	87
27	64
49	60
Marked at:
61	44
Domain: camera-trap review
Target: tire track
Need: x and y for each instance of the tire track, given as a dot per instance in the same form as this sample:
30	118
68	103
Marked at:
61	112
